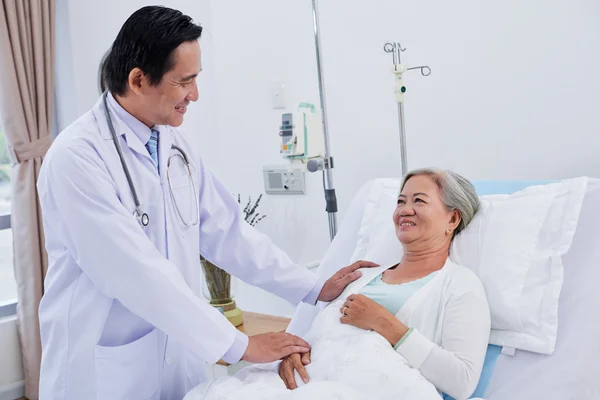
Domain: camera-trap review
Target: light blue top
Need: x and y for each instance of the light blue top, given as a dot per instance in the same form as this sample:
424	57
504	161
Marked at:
391	296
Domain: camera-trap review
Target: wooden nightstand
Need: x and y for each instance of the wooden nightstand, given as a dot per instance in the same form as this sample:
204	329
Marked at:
256	324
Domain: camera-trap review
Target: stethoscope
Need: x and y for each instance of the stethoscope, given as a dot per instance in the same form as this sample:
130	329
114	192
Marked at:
139	214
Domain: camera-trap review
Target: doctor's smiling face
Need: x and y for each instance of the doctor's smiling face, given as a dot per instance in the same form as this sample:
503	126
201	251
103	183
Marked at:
153	64
166	103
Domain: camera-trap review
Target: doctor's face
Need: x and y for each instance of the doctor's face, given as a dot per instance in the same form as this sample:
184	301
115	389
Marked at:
421	218
166	103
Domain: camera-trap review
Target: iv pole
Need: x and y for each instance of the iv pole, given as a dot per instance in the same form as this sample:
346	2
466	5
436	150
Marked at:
399	89
325	164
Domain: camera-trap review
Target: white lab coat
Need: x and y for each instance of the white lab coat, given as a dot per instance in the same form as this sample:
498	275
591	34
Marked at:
122	316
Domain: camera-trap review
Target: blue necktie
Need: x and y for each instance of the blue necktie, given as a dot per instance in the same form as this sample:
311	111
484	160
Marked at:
152	147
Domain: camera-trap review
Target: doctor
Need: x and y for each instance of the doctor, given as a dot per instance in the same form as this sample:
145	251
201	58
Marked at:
128	207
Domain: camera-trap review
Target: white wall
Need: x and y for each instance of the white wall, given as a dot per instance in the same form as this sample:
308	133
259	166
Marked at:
258	44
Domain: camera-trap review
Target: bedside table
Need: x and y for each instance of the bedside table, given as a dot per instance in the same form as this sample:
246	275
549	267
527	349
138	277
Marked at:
254	324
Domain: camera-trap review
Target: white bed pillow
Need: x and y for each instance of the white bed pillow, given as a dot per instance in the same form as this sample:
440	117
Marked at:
514	244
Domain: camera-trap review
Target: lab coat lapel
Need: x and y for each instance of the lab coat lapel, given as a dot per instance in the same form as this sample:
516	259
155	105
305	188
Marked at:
100	116
121	129
133	141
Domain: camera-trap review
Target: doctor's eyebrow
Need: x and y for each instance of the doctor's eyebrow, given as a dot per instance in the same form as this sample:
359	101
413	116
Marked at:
189	77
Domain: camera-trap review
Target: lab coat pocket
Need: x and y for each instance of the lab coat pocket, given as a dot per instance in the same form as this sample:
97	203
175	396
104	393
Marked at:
184	202
195	369
129	371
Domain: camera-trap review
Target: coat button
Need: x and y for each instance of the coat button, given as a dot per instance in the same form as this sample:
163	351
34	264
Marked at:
169	360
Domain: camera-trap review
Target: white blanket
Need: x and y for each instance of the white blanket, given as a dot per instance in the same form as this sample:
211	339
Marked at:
347	363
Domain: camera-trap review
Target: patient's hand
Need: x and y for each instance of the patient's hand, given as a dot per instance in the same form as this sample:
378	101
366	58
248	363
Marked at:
338	282
293	362
364	313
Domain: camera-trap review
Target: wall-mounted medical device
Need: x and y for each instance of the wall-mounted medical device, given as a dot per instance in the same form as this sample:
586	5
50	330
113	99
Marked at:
301	134
284	180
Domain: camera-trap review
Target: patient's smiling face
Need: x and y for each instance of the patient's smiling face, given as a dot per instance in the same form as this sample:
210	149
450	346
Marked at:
422	220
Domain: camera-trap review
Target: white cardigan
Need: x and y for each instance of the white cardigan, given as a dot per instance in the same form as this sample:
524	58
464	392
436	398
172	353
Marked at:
450	317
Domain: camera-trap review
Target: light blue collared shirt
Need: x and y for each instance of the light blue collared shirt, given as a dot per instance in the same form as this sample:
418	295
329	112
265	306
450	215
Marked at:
137	127
393	296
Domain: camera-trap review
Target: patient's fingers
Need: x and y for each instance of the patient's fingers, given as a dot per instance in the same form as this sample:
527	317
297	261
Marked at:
347	304
286	373
306	358
300	368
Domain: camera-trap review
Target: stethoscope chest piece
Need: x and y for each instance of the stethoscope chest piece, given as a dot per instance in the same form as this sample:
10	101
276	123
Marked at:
141	217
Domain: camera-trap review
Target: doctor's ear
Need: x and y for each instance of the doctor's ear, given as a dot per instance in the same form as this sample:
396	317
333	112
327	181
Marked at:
137	80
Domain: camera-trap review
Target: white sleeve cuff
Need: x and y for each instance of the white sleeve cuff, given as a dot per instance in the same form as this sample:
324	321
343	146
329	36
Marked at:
237	349
415	349
312	297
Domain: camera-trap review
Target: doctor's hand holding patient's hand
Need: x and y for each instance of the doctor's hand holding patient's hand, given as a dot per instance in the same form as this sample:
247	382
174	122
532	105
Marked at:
270	347
338	282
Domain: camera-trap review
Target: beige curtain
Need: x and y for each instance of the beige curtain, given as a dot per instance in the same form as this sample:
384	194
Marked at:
26	93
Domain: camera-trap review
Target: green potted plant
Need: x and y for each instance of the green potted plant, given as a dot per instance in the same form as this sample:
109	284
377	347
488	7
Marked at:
219	287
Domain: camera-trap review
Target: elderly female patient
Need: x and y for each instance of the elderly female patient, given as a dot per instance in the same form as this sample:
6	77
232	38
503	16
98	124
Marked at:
422	326
453	321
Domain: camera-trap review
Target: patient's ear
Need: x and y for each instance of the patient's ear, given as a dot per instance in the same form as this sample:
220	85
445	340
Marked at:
455	219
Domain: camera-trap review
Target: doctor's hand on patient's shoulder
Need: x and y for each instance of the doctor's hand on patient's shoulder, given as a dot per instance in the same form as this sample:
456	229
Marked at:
294	362
269	347
364	313
338	282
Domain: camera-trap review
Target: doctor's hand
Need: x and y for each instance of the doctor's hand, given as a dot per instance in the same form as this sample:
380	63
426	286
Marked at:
364	313
338	282
294	362
270	347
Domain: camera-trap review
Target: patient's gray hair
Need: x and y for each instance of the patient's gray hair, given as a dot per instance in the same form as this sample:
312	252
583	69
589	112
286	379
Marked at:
457	193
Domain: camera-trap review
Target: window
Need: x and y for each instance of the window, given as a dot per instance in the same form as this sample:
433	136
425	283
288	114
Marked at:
8	287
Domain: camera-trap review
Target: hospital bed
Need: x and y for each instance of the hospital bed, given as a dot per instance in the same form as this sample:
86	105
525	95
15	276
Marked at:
573	370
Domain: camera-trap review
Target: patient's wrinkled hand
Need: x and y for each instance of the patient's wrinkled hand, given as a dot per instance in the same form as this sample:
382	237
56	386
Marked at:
364	313
293	362
338	282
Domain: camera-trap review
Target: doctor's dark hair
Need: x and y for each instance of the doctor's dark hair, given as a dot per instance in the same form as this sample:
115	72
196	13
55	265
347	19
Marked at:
147	41
457	193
